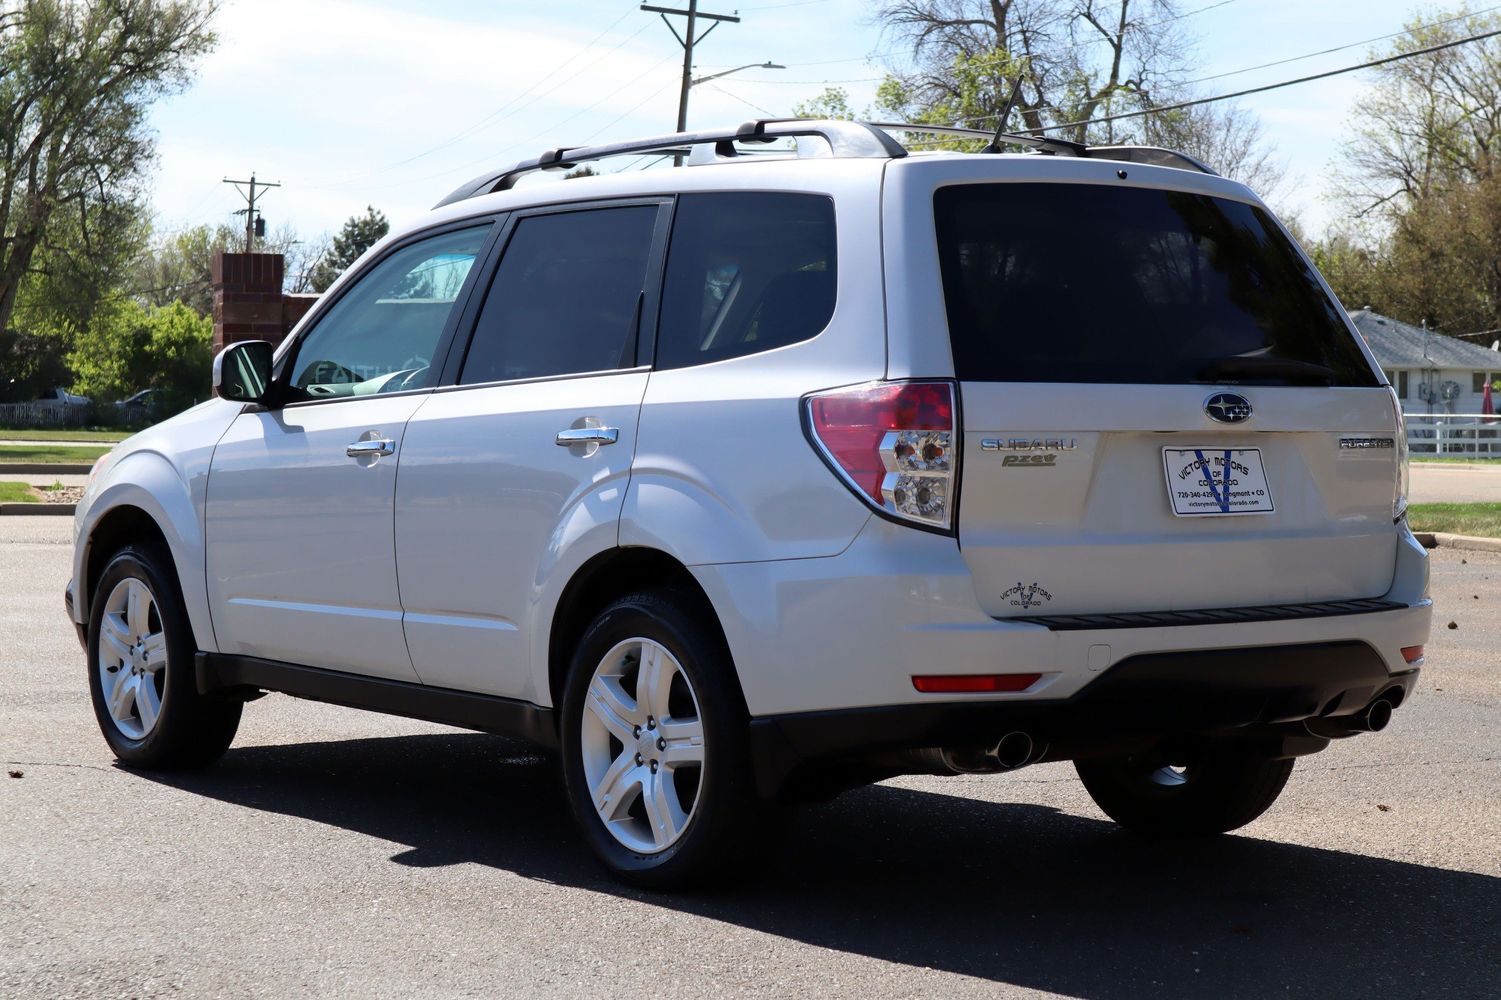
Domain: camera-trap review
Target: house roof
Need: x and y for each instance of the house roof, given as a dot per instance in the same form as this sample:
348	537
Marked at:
1401	345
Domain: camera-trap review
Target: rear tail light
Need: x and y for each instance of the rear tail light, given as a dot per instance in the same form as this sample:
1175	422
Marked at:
893	443
1399	495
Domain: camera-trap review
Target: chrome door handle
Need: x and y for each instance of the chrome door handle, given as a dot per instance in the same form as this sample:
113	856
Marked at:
588	435
371	449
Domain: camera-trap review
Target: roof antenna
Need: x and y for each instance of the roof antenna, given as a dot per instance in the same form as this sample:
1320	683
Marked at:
1000	129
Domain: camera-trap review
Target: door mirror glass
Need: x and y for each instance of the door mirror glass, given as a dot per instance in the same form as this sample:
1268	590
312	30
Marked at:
242	372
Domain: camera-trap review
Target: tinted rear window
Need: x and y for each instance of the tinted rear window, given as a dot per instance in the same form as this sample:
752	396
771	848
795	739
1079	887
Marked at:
746	272
1089	283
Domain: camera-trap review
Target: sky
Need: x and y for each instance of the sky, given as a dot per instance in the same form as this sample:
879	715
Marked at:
348	103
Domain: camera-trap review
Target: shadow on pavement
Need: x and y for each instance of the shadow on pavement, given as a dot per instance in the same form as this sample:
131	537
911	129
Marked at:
1017	894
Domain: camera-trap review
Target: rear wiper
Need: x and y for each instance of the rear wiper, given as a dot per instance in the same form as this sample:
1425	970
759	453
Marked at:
1259	368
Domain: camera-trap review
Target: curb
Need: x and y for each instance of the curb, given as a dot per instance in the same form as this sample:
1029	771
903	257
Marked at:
1444	540
44	469
34	509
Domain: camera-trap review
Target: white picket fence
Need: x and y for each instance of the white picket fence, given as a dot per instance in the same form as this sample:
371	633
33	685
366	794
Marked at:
1473	434
43	414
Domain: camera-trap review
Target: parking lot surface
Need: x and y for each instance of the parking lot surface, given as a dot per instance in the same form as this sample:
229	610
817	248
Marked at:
333	853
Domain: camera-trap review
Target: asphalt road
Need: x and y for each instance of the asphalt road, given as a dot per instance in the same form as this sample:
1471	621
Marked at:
333	853
1443	482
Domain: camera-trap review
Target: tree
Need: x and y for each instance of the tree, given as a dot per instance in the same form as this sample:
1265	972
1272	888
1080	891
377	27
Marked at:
178	267
134	347
77	78
360	233
1428	122
1076	61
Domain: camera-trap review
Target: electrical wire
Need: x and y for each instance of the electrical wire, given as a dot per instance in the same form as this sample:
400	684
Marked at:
1341	48
1179	105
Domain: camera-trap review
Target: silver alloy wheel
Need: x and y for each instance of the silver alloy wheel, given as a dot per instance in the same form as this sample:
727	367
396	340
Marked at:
642	745
132	658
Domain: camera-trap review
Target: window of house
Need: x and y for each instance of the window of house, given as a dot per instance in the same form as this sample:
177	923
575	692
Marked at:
566	298
1478	381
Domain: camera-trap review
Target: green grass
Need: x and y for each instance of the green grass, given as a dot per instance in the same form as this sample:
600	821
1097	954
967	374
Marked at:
71	435
1482	519
1456	459
57	454
17	493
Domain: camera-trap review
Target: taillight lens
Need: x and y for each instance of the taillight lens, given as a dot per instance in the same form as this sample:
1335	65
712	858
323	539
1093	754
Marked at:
894	444
1399	497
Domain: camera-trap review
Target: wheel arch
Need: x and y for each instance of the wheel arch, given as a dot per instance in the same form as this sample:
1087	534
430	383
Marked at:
605	577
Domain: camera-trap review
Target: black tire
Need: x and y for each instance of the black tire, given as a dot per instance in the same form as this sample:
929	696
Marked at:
1215	792
191	730
720	835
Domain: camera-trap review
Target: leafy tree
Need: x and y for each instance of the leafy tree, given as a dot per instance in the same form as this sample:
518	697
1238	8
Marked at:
360	233
179	267
1428	122
77	78
134	347
1075	60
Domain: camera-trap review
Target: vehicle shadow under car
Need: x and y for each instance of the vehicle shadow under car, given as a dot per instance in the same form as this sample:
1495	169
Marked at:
1013	893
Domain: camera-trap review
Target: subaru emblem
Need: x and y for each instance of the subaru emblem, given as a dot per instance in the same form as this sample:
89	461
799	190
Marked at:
1227	407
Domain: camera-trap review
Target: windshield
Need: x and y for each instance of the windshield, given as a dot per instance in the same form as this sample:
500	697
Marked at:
1095	283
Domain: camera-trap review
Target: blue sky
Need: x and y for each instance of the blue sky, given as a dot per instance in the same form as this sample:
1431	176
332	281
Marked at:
355	102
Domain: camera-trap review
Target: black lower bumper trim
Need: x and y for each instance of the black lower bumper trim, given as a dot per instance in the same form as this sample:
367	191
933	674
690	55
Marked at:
1214	616
1152	695
220	672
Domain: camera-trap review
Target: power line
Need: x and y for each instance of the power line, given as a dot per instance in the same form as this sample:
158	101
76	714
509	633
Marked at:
688	39
254	224
509	108
1341	48
1260	90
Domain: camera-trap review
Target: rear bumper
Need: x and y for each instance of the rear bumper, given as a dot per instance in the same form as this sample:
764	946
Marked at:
1246	693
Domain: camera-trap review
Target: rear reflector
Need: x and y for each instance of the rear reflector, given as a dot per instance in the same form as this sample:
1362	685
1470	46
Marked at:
956	683
1412	654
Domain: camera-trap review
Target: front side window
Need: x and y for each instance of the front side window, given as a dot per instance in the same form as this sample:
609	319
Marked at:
746	272
383	332
567	297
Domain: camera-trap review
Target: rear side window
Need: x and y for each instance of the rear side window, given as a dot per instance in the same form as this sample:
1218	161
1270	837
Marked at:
745	273
566	298
1088	283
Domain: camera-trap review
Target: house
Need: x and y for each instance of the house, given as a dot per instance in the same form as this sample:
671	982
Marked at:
1431	372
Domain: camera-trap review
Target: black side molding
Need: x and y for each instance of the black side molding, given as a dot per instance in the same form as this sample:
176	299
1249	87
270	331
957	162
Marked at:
227	673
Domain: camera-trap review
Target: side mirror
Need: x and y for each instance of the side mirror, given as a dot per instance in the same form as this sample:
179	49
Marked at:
242	372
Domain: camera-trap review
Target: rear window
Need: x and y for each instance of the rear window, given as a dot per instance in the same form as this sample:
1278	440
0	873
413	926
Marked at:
1089	283
746	272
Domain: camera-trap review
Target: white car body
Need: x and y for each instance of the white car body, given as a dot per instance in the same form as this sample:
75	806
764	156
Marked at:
450	563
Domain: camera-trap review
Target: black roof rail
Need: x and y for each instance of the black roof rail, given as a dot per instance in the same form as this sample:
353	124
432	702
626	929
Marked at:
845	139
1037	142
1151	155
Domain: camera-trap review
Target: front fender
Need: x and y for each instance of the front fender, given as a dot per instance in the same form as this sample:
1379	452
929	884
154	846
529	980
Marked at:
148	481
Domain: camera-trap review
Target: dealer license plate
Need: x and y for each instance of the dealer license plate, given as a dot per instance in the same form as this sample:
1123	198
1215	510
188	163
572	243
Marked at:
1211	482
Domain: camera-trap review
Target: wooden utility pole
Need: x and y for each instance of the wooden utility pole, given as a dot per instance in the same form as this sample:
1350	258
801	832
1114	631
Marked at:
688	39
250	199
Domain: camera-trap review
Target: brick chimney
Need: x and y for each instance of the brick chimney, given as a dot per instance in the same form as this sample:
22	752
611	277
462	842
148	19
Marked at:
248	300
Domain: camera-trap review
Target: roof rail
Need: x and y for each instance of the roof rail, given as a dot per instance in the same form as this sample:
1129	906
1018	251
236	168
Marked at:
845	139
1151	155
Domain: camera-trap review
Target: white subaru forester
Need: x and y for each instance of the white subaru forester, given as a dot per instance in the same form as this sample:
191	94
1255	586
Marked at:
767	478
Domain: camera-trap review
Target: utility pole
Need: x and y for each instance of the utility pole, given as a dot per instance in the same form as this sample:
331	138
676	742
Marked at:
688	39
251	219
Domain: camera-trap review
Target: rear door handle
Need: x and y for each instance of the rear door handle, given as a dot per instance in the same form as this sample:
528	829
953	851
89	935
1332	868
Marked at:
588	435
371	448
